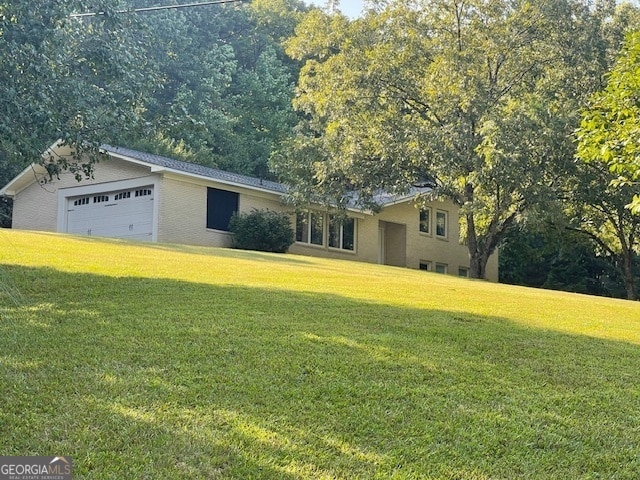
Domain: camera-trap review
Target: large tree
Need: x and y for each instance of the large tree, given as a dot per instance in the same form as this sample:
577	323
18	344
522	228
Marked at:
227	84
476	98
82	81
597	208
609	133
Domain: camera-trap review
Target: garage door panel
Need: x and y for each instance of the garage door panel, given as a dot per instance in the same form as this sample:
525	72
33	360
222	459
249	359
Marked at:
130	217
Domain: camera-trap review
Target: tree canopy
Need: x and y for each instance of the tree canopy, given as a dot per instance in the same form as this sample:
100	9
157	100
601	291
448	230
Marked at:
609	132
477	99
207	84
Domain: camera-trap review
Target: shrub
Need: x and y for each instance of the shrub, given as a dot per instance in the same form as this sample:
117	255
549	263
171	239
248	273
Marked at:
262	230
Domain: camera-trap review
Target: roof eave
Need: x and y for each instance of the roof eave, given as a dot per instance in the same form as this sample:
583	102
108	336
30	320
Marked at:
161	169
22	180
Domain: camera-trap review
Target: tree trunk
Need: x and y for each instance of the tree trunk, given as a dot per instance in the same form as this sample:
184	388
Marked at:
478	265
627	273
477	259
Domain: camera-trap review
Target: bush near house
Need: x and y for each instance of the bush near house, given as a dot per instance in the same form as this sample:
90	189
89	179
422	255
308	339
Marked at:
262	230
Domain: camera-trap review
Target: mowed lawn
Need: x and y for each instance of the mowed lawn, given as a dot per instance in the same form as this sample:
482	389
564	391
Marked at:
171	362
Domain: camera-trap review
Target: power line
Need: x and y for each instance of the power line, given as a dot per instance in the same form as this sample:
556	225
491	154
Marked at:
154	9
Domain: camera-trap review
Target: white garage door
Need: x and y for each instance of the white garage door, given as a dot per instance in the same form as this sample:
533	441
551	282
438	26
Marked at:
120	214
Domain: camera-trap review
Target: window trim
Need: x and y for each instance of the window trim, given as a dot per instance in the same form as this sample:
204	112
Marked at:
307	215
445	235
210	220
441	266
340	247
429	212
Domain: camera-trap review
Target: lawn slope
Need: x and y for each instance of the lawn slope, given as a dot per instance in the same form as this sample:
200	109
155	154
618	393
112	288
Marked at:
155	361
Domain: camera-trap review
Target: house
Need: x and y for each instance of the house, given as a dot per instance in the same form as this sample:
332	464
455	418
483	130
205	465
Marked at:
140	196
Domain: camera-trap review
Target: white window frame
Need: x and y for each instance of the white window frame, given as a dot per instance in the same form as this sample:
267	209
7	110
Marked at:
442	268
340	247
309	224
445	214
429	212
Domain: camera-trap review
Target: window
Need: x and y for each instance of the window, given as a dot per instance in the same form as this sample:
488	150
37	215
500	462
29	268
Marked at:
100	198
441	224
441	268
342	233
122	195
463	272
81	201
425	265
221	205
425	220
310	228
143	192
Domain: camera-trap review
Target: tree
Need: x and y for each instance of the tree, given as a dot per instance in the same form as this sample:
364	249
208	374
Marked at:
597	208
227	84
476	98
82	81
609	132
550	256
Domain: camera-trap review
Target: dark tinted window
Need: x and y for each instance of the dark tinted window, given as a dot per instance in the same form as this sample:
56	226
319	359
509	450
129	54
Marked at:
221	205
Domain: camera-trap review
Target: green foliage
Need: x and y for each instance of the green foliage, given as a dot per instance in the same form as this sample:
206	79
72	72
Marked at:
226	90
609	132
213	82
62	78
559	259
262	230
480	96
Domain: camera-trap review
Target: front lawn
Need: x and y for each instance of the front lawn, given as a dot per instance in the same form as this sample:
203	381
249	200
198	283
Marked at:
149	361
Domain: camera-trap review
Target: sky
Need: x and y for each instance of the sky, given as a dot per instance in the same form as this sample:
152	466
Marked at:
351	8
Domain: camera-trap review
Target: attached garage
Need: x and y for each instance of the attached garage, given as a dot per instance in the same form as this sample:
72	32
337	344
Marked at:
117	214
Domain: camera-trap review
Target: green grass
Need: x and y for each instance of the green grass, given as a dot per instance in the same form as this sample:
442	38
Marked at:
150	361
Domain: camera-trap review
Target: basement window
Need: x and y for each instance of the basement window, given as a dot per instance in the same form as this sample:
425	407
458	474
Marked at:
425	265
441	268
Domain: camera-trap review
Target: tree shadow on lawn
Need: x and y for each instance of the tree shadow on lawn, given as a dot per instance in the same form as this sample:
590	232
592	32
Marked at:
146	378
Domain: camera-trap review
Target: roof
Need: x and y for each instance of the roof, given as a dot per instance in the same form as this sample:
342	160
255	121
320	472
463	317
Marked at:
195	169
159	163
384	199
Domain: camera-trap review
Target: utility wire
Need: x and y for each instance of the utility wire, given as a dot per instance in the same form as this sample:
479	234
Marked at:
154	9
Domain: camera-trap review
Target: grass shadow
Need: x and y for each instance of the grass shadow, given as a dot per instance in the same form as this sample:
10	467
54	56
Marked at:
156	378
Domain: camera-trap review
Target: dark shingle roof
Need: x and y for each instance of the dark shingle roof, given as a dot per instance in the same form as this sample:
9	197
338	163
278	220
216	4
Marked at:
383	198
199	170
